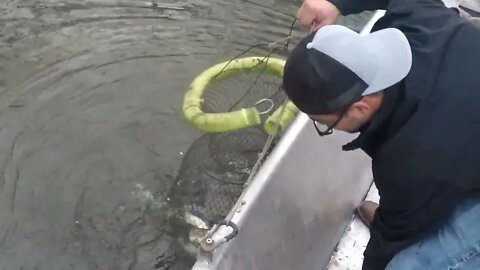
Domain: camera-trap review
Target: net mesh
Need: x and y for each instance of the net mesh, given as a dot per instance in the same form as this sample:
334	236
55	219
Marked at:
214	171
243	90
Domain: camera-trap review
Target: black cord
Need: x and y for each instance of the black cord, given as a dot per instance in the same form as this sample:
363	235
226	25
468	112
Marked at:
290	34
264	60
285	48
237	56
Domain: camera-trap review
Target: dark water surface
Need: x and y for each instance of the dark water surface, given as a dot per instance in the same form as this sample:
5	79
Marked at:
91	130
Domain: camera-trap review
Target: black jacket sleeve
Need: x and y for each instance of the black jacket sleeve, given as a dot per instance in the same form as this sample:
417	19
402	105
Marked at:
348	7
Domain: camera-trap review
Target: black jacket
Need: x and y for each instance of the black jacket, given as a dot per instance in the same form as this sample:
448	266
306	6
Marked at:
425	139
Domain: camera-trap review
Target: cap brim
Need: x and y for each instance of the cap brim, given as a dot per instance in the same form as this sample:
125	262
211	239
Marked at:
395	58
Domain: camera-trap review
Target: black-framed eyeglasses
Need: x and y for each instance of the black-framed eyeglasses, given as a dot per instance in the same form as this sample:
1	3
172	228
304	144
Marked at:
329	129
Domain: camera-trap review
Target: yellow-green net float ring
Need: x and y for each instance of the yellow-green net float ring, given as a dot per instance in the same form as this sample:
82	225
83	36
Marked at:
243	118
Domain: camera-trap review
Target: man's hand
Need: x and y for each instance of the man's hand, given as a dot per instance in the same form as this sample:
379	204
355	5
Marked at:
366	211
314	14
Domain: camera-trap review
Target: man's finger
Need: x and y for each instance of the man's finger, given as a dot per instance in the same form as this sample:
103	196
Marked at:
315	26
305	15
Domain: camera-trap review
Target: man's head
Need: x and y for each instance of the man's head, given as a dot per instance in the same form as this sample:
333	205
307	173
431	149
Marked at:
337	76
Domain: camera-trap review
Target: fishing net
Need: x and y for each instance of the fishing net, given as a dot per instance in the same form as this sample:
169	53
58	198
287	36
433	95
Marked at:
231	94
215	168
214	171
218	165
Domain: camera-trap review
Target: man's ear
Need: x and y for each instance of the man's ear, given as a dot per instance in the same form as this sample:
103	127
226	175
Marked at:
361	107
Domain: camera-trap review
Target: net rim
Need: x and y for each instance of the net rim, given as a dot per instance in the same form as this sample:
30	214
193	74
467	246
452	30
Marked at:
226	121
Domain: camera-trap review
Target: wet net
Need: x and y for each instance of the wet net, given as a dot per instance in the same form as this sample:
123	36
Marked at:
231	94
214	172
216	168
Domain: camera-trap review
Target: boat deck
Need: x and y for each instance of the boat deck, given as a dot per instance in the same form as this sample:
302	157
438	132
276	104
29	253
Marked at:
349	252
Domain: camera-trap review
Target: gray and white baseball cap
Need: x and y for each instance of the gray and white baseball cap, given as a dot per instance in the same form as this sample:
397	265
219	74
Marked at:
334	66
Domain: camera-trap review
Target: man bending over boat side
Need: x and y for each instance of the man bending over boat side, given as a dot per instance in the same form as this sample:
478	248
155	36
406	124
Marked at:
412	90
